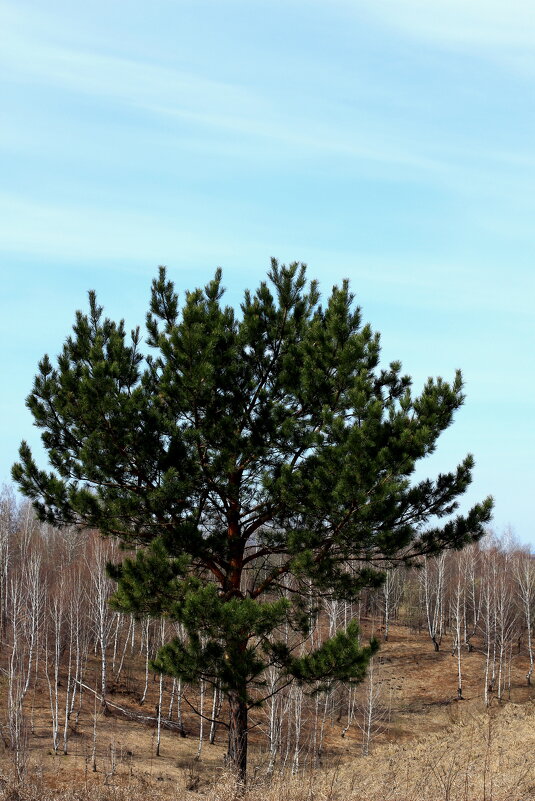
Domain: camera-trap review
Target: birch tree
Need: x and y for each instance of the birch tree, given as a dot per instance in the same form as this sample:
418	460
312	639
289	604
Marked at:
524	571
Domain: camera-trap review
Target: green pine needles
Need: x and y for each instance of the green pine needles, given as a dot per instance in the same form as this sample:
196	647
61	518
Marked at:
256	462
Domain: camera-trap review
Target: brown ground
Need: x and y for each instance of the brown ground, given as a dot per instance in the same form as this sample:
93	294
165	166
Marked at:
432	747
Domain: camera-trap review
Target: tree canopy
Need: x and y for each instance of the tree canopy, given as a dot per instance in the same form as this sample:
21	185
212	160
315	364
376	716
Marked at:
256	461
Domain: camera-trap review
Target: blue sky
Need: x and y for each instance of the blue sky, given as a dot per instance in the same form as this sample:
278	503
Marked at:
388	142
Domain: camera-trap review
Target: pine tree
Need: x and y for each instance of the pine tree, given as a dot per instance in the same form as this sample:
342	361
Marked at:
256	461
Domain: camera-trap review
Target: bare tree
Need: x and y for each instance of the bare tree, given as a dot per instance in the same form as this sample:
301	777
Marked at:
392	592
506	617
524	572
101	613
432	583
488	620
471	560
372	711
457	614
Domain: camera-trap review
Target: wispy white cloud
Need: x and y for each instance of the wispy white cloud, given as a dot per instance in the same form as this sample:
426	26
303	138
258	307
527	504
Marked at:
40	56
138	83
249	124
468	23
415	282
66	231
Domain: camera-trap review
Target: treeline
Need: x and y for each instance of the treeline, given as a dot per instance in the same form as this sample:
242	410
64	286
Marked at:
61	641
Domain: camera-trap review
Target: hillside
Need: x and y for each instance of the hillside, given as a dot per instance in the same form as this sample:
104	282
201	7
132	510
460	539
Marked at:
429	746
84	716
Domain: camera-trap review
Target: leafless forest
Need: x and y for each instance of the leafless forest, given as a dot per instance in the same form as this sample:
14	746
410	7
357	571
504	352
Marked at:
77	683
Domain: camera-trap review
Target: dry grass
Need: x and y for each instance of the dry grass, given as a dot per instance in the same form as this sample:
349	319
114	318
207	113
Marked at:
476	756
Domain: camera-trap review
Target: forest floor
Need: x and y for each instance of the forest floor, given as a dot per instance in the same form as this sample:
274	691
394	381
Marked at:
429	746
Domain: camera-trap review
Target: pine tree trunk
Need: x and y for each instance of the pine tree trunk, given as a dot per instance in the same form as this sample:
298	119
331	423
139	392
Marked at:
237	736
